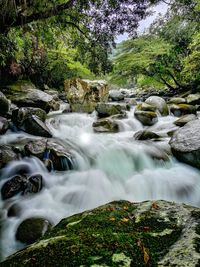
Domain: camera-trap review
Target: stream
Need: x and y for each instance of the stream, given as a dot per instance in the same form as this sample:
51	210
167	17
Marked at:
109	167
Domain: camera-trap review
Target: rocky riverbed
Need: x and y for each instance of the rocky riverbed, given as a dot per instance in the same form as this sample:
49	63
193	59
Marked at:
56	163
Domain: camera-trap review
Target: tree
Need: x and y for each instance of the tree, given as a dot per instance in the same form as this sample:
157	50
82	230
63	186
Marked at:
167	52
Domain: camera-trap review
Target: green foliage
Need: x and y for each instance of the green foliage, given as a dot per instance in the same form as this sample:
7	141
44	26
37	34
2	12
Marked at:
138	56
169	54
191	70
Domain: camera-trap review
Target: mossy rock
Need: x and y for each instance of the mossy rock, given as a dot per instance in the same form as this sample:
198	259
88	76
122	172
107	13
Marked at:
147	118
145	107
110	109
182	109
106	125
119	234
146	135
31	229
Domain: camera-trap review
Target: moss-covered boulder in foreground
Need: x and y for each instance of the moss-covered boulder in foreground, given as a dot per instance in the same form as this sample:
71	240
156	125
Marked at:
119	234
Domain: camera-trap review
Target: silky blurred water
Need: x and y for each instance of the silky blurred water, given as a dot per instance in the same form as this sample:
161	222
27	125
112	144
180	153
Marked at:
110	167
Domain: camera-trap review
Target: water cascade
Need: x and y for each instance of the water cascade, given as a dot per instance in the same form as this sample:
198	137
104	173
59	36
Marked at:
109	167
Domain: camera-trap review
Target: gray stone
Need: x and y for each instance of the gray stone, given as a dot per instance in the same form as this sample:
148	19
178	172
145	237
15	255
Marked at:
3	125
159	103
25	94
146	135
182	109
185	143
109	109
53	152
116	95
4	104
147	118
185	119
21	184
193	99
177	100
6	155
105	125
83	95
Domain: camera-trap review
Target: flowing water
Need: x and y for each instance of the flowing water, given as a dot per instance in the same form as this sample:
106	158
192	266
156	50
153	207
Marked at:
109	167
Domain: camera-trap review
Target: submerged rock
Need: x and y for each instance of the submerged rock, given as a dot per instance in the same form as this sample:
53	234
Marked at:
185	143
83	95
110	109
31	229
120	233
105	125
159	103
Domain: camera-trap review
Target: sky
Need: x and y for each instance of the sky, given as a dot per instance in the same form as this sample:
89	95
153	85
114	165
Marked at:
144	24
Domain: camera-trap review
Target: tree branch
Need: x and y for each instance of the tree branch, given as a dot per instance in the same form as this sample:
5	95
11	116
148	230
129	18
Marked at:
20	19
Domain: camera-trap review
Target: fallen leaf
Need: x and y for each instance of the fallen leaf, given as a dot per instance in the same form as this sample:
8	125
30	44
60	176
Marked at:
146	255
144	250
112	219
154	205
124	220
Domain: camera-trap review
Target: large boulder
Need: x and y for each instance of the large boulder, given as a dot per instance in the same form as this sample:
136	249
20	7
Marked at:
53	152
31	229
25	94
109	109
159	103
83	95
120	233
4	104
185	143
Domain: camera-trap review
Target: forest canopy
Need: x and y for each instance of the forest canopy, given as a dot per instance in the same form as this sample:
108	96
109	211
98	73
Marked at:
50	41
168	54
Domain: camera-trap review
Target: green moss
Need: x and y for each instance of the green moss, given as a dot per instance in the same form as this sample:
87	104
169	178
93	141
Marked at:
93	238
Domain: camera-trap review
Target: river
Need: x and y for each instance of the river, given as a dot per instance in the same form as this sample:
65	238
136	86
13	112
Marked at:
109	167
